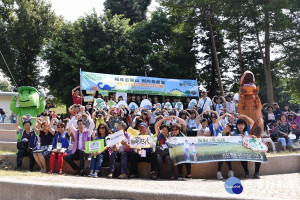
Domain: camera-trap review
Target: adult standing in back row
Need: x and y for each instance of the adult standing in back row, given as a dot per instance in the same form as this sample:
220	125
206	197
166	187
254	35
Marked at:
204	102
77	95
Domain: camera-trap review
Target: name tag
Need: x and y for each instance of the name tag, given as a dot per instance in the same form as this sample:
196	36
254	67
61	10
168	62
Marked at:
59	145
164	146
49	148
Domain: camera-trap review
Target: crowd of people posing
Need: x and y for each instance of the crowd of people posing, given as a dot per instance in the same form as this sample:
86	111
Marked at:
217	117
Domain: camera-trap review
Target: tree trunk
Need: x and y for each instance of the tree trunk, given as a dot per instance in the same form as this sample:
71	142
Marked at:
267	66
239	41
214	52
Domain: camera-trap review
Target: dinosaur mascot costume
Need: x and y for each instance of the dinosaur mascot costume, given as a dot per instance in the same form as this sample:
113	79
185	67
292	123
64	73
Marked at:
29	103
249	102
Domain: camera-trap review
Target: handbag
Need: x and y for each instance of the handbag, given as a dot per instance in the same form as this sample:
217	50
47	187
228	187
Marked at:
23	145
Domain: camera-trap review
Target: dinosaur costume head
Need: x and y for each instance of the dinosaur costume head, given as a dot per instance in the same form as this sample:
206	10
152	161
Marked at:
28	96
247	84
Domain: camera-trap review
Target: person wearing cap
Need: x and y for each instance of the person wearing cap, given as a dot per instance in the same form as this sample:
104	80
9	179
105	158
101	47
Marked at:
115	119
141	117
136	156
27	134
204	102
120	152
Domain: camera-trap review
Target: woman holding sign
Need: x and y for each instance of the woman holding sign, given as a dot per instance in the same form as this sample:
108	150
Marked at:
176	132
162	150
60	147
244	126
97	158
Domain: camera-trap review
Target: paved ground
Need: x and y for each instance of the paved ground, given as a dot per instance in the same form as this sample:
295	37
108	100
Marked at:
283	186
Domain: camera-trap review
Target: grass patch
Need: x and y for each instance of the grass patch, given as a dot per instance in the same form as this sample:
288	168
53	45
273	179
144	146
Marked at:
7	152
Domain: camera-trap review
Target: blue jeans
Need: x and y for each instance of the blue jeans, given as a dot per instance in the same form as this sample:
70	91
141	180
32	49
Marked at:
282	140
96	163
2	118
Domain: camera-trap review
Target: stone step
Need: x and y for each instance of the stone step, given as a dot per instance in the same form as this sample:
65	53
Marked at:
276	165
8	146
8	135
7	126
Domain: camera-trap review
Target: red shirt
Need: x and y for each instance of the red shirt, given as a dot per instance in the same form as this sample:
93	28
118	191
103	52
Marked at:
76	100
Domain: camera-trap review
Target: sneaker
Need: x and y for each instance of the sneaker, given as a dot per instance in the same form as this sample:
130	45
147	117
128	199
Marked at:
50	172
256	175
95	174
153	175
110	175
122	176
90	174
60	173
219	176
133	176
230	174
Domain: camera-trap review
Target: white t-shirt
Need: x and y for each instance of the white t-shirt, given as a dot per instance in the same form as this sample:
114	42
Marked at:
200	129
230	106
79	147
192	123
207	104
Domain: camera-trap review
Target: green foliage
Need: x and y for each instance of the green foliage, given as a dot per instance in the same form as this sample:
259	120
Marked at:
25	27
135	10
5	86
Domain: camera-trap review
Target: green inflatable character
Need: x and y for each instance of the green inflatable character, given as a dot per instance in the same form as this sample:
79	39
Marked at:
29	104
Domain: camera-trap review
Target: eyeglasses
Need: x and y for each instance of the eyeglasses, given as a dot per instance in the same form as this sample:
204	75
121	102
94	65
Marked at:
102	127
175	129
60	127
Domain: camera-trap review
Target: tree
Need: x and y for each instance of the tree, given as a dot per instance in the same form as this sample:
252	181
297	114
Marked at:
25	26
92	43
5	86
135	10
197	9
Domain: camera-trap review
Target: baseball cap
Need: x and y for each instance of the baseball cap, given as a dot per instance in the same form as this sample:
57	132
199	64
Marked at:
143	124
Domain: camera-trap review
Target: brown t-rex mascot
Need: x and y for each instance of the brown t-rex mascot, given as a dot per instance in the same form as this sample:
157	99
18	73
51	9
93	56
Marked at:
249	102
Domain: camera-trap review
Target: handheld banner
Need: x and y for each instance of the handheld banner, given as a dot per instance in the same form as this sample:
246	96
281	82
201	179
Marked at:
254	144
88	99
140	141
115	138
211	149
94	146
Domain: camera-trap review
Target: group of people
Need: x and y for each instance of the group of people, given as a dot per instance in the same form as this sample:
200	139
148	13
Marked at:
216	117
